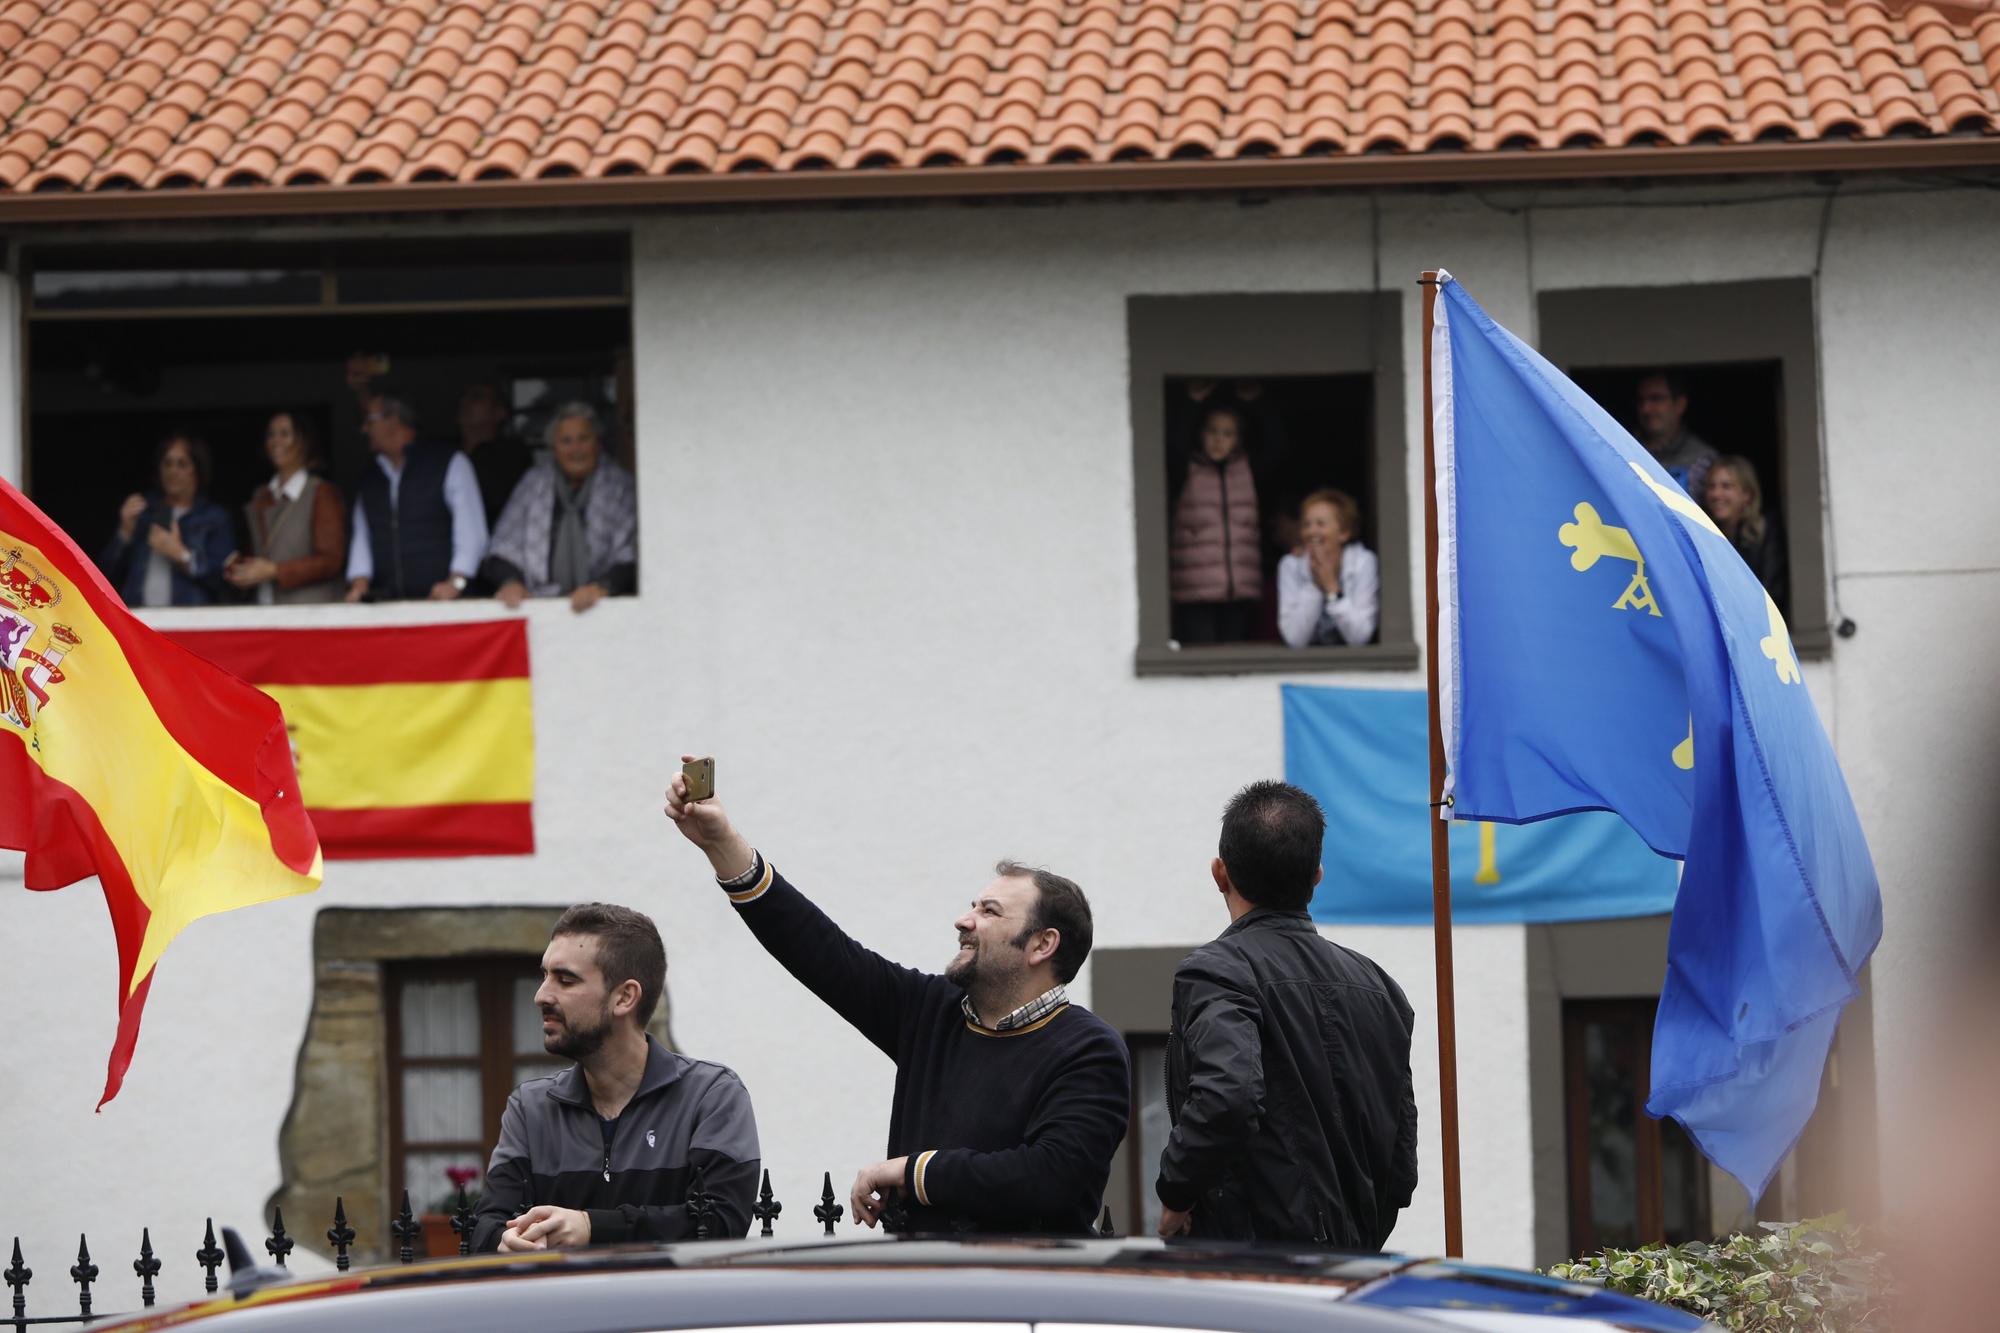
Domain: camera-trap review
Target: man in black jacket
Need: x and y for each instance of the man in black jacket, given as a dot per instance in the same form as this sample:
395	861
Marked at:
1009	1099
608	1150
1288	1067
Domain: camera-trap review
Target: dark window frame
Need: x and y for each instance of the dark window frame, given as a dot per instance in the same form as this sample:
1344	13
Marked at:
1635	1013
1248	336
1706	323
494	975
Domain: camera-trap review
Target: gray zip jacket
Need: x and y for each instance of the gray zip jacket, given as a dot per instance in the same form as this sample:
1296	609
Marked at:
686	1115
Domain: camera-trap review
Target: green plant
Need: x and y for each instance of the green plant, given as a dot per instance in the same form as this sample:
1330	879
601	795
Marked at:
464	1178
1814	1276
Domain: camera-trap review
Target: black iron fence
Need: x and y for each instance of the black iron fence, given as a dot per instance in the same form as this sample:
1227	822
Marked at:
407	1230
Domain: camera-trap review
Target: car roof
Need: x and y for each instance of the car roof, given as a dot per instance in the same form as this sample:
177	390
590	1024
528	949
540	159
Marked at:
913	1280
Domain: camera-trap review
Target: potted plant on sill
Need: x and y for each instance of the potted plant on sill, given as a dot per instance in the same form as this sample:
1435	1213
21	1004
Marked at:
440	1241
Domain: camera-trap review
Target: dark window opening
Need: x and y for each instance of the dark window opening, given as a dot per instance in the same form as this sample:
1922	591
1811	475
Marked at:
1747	353
1633	1180
217	343
1314	384
1738	411
1300	435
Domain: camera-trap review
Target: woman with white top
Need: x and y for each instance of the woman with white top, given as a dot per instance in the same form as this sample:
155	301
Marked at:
1330	589
298	525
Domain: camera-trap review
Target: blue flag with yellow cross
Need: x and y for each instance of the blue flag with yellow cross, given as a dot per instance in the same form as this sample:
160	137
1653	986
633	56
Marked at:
1603	647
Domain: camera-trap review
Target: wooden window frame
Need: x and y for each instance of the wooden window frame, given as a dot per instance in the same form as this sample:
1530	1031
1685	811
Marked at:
1274	335
494	975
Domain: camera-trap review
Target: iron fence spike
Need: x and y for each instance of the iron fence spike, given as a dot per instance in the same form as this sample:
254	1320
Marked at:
17	1276
83	1274
341	1235
279	1245
829	1211
406	1228
462	1222
146	1266
209	1256
767	1207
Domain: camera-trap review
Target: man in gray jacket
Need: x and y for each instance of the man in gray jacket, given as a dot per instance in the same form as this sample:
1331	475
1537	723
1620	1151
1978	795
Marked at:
608	1149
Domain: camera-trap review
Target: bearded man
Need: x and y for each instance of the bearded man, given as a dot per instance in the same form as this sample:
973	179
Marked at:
1009	1100
607	1150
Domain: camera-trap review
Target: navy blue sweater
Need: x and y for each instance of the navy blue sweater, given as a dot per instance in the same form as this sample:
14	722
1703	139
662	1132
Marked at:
1005	1131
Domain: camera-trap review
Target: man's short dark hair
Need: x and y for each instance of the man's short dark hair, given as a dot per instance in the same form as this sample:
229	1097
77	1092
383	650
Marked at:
1271	836
1677	385
1059	905
628	949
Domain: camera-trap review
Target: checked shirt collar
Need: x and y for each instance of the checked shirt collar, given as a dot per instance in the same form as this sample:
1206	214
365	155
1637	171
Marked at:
1040	1007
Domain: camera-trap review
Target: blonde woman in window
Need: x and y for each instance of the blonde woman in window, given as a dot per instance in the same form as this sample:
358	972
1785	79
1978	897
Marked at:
298	524
1330	589
1736	502
571	528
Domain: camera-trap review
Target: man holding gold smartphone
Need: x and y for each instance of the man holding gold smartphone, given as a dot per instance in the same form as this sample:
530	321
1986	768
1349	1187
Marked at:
1009	1099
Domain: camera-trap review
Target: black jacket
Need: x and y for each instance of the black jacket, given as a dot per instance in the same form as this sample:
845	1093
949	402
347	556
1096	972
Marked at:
1288	1080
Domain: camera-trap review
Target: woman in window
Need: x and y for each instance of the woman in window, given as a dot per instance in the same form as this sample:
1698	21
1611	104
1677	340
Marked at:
1216	570
1330	589
298	524
571	527
1736	502
171	544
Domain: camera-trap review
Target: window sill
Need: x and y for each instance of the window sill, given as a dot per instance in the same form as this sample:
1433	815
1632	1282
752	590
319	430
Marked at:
1247	659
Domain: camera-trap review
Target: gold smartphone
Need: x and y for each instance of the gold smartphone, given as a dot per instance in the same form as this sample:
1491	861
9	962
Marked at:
700	775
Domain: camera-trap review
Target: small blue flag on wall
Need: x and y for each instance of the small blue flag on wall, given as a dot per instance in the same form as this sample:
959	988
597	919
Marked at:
1365	754
1603	647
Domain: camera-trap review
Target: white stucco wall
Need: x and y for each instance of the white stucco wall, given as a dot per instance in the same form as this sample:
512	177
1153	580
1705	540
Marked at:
888	562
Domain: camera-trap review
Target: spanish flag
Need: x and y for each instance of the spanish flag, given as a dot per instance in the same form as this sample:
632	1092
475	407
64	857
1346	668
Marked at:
125	757
411	740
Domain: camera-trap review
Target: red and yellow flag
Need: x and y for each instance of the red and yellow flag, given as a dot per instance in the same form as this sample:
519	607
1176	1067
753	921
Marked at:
126	757
411	740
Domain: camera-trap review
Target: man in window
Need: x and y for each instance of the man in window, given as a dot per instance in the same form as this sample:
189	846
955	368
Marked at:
1662	409
1009	1099
1288	1066
498	455
608	1149
419	524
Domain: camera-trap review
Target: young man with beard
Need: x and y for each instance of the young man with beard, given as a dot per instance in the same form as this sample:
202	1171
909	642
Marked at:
607	1150
1009	1099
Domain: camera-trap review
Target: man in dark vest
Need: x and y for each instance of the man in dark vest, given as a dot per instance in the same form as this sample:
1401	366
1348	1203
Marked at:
419	526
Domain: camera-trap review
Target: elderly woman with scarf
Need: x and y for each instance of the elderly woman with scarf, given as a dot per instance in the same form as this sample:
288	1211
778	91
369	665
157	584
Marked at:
571	527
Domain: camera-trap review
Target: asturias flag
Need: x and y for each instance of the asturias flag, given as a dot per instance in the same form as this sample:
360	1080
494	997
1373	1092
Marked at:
125	757
1603	647
412	740
1365	754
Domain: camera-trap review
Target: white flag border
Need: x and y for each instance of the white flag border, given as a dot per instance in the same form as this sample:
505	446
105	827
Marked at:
1444	451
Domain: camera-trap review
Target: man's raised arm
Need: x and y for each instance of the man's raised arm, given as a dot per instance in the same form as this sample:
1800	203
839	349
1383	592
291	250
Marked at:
860	985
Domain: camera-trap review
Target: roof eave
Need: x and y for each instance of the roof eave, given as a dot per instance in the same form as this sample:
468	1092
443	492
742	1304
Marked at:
1523	167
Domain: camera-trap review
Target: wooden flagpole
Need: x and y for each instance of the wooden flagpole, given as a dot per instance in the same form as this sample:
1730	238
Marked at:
1454	1226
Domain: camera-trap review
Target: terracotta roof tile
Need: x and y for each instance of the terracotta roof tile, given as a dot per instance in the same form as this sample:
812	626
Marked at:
221	92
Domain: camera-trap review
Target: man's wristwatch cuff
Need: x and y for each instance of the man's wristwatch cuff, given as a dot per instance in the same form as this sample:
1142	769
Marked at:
1180	1198
607	1225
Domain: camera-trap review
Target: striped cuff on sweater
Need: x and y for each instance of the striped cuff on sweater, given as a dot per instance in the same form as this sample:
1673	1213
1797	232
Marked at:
916	1184
751	885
